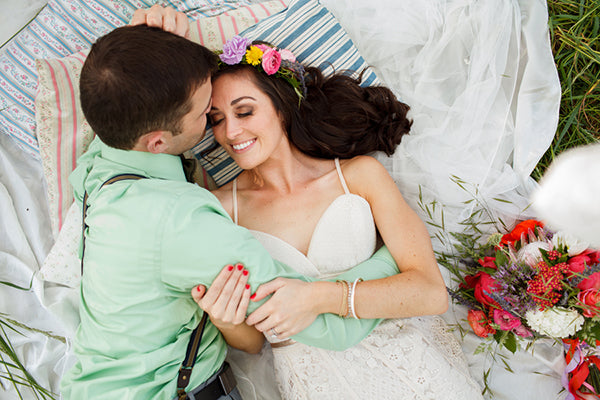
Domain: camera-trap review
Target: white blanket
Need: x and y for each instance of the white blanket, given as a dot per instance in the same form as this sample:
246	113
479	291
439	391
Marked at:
484	92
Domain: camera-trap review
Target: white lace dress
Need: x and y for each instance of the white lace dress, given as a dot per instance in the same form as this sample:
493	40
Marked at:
412	358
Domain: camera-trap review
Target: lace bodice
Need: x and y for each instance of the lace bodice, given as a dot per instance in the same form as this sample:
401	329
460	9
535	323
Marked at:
344	237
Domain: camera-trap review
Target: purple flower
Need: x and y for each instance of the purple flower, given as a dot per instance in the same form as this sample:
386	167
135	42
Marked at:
234	50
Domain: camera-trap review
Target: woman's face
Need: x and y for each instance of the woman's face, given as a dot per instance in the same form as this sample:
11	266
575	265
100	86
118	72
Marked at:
244	121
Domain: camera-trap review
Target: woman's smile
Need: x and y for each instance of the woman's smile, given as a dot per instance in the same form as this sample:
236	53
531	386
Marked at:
241	147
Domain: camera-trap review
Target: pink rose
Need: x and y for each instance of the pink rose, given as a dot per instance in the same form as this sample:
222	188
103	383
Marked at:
578	263
482	283
590	300
488	262
480	323
591	282
506	320
271	61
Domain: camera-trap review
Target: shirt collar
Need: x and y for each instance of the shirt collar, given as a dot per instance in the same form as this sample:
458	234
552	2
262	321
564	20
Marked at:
161	166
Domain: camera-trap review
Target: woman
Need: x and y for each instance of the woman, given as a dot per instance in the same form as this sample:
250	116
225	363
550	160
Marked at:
320	215
315	202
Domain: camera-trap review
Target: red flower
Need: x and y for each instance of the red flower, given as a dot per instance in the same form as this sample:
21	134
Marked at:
488	262
482	283
590	299
521	229
480	323
578	263
591	282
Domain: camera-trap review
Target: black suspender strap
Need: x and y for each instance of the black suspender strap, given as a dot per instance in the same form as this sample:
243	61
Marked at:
192	350
190	358
114	179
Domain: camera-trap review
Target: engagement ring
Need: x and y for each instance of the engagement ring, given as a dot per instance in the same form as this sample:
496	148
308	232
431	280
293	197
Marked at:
274	333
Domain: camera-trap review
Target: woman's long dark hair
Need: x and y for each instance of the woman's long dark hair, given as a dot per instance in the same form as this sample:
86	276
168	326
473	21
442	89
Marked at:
337	117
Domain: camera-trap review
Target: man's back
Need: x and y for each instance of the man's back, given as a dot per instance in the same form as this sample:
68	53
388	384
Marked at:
135	325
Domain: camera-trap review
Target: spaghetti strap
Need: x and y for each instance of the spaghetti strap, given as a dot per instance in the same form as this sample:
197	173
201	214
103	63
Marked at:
342	180
235	205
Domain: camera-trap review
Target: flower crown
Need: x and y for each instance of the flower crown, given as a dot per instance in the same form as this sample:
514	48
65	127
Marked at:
272	61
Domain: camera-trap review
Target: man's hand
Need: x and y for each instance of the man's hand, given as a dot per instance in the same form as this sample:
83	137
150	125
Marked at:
165	18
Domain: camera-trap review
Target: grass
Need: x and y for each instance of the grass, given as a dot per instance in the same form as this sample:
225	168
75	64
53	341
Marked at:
575	36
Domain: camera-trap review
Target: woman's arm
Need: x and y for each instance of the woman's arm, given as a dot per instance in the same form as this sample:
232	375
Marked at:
419	288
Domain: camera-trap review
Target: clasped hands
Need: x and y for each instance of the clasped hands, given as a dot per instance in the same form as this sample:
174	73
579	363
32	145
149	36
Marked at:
286	313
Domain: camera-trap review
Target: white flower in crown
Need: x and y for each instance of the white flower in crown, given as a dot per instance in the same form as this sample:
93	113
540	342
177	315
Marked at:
555	322
574	245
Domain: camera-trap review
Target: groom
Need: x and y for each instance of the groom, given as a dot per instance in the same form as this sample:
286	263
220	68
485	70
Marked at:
153	236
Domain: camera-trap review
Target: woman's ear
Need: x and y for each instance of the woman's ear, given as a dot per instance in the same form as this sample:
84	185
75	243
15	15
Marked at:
155	142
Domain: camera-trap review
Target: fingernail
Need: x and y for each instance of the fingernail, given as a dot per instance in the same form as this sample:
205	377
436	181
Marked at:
198	288
253	295
248	287
240	267
230	268
245	272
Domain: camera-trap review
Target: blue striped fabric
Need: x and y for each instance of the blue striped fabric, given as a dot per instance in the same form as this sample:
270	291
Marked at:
62	28
313	34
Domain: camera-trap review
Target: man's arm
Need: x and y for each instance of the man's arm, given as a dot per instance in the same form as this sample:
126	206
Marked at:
200	238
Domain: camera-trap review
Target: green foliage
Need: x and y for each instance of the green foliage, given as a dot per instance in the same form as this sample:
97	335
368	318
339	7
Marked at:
575	36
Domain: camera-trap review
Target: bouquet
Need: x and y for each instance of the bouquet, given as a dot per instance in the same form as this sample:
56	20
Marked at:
532	282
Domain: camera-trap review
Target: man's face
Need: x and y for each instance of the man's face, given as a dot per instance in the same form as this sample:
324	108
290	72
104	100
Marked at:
193	124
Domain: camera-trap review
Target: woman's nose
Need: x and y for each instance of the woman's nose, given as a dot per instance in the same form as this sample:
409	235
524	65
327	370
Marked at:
232	129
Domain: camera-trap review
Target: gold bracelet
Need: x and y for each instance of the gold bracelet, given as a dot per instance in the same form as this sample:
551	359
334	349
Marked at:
344	304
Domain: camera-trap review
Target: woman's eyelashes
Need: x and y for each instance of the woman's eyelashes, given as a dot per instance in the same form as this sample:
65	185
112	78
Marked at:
216	119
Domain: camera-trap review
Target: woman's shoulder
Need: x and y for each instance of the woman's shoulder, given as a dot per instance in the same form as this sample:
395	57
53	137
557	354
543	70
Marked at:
363	172
362	166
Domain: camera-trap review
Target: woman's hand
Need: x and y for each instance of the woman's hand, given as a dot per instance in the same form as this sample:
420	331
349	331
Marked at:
292	308
165	18
226	300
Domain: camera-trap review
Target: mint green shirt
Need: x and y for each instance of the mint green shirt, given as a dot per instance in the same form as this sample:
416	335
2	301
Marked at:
149	242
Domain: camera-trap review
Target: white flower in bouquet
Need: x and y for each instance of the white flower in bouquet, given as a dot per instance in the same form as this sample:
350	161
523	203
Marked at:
530	253
557	322
574	245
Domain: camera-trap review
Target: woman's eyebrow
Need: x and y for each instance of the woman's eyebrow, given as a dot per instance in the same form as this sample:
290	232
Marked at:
234	102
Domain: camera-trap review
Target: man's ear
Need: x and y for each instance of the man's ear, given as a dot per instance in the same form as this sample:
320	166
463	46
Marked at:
154	142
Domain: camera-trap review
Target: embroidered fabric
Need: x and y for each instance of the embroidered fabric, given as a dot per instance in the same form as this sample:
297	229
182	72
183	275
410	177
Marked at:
412	358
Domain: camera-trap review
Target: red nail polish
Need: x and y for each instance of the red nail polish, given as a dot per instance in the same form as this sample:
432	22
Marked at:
253	295
247	286
230	268
198	288
245	272
240	267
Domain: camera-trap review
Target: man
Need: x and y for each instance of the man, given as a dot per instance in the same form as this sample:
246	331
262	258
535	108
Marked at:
149	241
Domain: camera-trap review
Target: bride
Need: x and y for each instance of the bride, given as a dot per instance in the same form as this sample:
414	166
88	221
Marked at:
321	216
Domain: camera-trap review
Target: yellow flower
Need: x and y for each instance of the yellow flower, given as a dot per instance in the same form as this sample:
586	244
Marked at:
254	55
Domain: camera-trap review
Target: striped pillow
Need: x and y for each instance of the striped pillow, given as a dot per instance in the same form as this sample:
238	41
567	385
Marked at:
64	27
64	134
313	34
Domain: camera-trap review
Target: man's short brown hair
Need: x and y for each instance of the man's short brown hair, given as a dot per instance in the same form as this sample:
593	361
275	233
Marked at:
138	79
